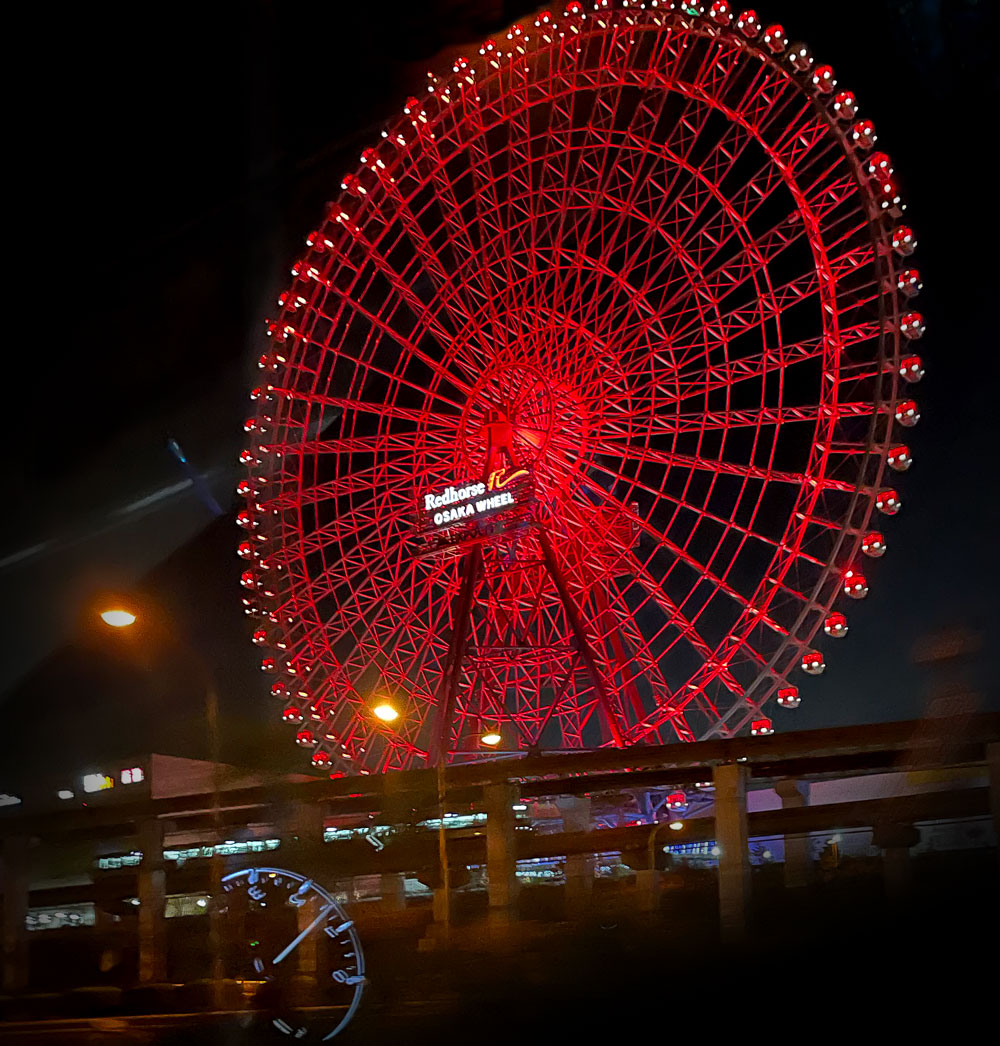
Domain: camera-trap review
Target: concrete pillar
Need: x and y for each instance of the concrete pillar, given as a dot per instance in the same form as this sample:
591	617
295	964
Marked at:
897	873
732	838
993	764
501	851
15	911
393	891
301	829
895	839
304	827
647	885
575	812
798	847
396	810
152	903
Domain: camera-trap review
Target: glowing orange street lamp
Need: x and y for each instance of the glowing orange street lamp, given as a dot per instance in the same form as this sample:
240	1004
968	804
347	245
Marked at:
118	618
385	712
491	737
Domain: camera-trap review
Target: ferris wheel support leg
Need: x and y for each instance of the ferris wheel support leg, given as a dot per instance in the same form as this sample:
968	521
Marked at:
576	624
438	749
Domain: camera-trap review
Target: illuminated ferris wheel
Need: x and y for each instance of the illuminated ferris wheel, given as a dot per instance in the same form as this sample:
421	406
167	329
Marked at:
578	409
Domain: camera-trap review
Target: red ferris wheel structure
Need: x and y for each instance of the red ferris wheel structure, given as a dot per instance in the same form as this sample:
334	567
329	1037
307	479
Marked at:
577	412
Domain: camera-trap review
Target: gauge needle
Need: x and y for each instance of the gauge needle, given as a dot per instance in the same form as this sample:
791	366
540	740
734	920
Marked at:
302	936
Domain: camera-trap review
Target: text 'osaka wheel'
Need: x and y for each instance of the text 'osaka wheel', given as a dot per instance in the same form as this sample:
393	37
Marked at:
581	400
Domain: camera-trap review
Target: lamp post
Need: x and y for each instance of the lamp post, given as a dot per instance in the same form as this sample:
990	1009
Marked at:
121	618
650	873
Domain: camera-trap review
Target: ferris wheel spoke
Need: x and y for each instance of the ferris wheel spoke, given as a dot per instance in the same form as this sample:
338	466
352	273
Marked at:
729	323
380	408
732	217
700	511
732	270
689	381
384	442
709	421
731	146
641	244
443	337
677	551
618	159
662	541
485	196
451	294
346	484
476	279
644	454
711	244
770	360
676	618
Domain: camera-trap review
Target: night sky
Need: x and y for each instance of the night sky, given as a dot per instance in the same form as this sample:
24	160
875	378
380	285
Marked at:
168	175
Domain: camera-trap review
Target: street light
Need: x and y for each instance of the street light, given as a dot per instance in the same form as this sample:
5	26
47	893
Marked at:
118	618
491	737
385	712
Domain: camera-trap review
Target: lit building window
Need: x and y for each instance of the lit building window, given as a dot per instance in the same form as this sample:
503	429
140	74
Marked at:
250	846
97	782
56	918
185	904
133	775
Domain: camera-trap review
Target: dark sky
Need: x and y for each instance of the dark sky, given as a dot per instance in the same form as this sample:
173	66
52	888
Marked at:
171	161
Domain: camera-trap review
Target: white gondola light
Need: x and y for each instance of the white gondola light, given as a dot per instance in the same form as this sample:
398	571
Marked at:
912	325
800	58
899	458
863	134
873	544
878	165
911	369
721	13
855	584
788	697
835	625
845	105
909	283
748	23
774	37
903	240
887	501
813	663
823	79
907	413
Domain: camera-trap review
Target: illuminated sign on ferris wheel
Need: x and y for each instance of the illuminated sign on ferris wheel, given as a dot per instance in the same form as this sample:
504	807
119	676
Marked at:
452	515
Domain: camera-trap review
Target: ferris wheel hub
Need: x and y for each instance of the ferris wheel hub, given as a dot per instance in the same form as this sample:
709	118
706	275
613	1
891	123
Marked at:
514	408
